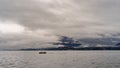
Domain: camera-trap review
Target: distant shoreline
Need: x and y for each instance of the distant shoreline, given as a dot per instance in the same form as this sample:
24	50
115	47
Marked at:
63	48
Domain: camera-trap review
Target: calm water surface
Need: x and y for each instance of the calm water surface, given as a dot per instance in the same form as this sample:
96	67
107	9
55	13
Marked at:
60	59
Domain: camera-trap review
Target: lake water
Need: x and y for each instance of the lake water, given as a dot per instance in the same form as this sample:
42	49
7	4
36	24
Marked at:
60	59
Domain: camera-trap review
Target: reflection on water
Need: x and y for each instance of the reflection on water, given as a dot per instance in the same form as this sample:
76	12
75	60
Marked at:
60	59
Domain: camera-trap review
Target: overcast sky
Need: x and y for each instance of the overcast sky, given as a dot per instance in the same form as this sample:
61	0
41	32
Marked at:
34	23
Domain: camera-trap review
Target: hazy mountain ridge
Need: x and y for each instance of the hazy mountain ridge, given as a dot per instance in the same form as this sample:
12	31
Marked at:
100	41
91	42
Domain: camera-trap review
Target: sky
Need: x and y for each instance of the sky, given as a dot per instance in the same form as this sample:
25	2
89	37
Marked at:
36	23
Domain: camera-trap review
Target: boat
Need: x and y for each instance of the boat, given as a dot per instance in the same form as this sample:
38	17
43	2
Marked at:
42	52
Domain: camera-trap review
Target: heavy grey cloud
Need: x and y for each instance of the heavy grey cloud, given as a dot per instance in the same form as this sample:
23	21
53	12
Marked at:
74	18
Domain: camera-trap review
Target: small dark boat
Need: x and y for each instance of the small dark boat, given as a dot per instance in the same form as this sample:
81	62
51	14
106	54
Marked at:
42	52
